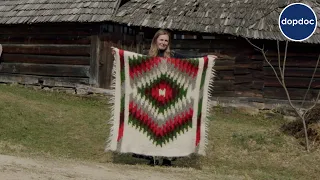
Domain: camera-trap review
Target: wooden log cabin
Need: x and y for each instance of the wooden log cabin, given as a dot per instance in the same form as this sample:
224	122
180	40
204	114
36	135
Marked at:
60	43
68	43
222	27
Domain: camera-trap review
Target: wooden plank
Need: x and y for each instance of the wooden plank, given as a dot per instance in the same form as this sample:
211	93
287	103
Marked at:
241	71
239	68
45	69
249	93
45	49
220	62
223	68
274	56
106	64
250	65
51	28
292	54
243	59
257	74
293	72
44	39
42	80
255	85
293	82
224	75
243	86
240	79
94	60
221	93
295	93
93	90
43	59
303	62
223	85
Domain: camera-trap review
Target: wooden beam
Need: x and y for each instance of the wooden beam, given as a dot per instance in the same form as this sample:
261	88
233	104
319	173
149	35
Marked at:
45	69
295	93
42	80
94	61
44	39
46	59
292	82
45	49
293	72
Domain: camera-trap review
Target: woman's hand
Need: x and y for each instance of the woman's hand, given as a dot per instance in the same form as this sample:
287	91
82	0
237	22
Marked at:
213	56
113	51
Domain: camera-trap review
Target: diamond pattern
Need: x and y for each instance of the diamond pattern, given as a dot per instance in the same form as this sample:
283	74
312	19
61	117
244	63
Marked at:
163	84
173	91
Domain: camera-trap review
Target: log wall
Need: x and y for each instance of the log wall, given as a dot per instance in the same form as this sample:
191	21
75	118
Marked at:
70	54
301	60
56	55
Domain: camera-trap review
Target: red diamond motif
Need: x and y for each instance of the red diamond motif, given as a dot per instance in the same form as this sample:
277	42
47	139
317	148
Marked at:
162	92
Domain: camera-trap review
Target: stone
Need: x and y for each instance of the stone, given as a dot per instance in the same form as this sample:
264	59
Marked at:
81	92
47	89
258	105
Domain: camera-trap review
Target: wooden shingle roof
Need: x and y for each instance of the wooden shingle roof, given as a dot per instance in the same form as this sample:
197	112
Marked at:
38	11
256	19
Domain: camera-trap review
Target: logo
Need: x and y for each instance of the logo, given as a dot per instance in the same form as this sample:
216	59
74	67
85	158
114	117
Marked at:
297	22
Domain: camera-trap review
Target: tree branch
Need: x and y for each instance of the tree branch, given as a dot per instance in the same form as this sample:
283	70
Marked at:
265	57
309	86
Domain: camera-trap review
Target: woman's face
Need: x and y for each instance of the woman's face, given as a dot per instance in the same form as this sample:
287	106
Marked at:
162	42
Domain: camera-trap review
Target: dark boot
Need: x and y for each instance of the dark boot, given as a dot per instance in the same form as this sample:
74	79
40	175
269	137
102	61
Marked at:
153	162
166	162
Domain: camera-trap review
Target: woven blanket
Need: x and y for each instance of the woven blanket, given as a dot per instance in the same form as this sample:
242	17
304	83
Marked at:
160	105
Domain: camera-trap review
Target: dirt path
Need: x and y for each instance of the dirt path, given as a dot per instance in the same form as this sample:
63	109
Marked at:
16	168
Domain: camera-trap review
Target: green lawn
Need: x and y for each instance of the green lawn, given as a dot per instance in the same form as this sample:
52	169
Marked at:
59	125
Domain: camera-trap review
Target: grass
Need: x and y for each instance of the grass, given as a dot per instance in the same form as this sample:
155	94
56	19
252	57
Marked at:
59	125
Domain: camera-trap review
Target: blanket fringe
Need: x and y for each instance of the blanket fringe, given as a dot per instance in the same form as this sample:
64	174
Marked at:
111	102
209	104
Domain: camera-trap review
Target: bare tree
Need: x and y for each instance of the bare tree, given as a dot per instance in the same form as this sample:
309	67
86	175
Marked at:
301	110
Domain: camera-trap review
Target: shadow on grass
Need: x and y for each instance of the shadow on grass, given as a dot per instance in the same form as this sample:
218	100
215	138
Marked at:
182	162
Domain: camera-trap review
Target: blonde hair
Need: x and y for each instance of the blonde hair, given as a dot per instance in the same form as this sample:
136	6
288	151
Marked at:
154	48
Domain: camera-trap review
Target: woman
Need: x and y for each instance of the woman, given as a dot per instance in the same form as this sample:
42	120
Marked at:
160	46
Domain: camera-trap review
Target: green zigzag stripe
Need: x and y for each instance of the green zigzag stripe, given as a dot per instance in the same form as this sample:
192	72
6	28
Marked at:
203	77
135	61
160	141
